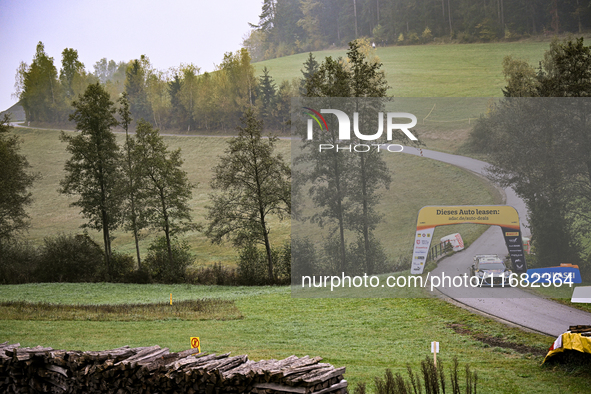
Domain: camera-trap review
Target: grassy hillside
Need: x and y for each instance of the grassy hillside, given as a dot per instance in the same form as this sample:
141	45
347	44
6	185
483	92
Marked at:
451	70
434	73
51	213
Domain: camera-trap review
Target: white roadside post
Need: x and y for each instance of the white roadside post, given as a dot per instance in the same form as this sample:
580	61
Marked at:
435	350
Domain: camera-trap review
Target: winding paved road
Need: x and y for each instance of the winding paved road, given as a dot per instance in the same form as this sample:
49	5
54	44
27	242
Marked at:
510	304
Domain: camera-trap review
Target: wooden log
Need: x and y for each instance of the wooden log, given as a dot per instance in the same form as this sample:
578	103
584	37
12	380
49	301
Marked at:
327	375
280	387
338	386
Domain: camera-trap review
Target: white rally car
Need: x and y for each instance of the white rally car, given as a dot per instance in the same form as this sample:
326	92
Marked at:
490	270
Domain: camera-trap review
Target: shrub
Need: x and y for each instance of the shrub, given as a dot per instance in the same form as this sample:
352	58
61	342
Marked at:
413	38
433	380
216	274
304	258
283	264
70	258
427	36
123	265
357	256
18	262
141	277
157	263
252	266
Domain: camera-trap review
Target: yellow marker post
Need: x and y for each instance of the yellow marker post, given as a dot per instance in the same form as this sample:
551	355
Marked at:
196	343
171	299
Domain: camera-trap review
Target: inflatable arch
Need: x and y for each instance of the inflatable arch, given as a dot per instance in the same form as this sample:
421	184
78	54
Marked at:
503	216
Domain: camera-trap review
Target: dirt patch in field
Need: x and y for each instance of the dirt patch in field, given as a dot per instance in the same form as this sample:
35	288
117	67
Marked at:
496	342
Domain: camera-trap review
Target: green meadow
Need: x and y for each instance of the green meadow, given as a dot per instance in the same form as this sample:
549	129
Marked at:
365	335
446	70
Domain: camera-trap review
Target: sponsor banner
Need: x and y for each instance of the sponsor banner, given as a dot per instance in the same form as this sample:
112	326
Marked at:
581	294
554	274
503	216
455	240
422	243
515	248
493	215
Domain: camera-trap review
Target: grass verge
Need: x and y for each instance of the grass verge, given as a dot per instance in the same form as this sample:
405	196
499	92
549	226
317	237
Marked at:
204	309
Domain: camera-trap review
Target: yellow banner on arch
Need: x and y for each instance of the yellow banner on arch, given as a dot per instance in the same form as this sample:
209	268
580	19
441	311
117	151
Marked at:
503	216
493	215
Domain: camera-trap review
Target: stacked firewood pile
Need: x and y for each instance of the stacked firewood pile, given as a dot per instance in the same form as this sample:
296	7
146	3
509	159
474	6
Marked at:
583	330
157	370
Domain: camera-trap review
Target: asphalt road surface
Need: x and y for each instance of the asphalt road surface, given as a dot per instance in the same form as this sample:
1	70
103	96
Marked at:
510	304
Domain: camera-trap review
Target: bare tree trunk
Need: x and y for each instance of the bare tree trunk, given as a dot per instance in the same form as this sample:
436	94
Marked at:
107	243
502	15
132	197
369	263
378	13
532	13
579	18
166	227
449	16
341	218
355	13
263	221
267	247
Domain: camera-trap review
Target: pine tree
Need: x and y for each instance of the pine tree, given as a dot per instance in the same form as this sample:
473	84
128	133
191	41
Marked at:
267	98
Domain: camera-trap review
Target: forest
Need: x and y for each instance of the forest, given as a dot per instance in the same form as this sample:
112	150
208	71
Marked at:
286	27
181	98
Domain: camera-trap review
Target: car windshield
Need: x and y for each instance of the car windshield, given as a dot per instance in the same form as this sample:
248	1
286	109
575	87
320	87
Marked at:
492	266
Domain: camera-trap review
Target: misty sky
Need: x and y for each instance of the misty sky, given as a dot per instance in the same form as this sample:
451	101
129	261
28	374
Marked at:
169	32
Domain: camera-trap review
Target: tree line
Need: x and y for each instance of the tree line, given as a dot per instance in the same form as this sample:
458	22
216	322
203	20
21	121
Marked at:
141	187
180	98
538	140
286	27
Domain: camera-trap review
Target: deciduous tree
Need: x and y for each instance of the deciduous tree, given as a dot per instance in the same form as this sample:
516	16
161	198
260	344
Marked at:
133	218
253	184
93	169
135	87
41	93
71	67
541	146
166	190
16	181
345	185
